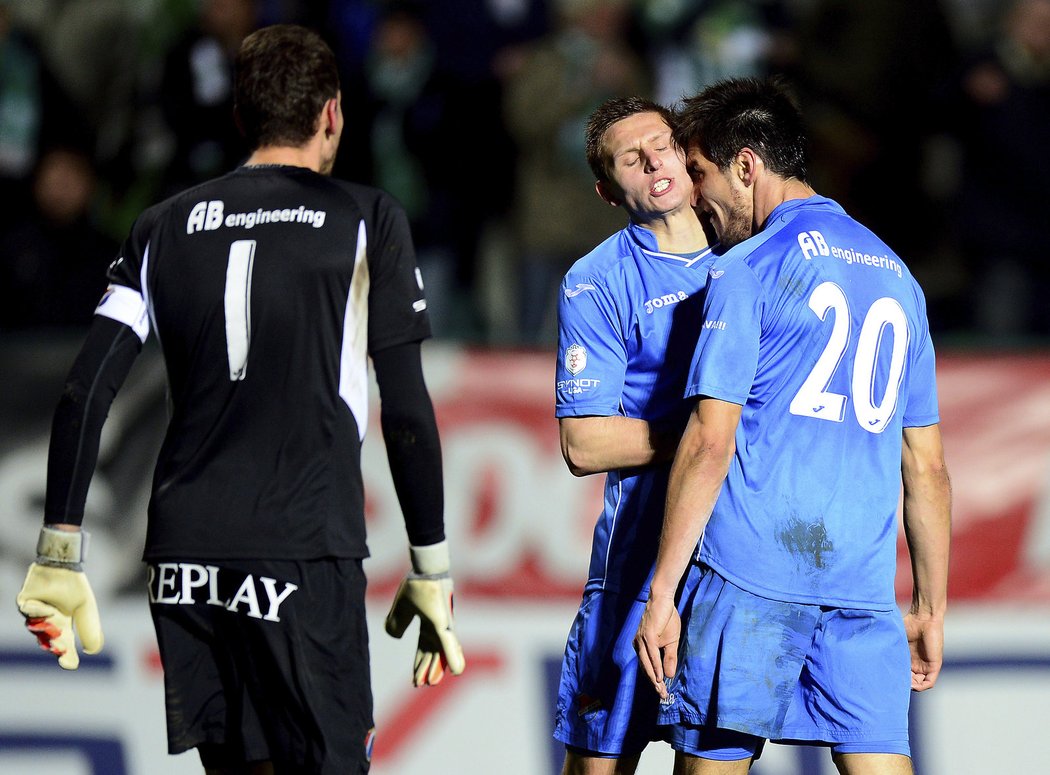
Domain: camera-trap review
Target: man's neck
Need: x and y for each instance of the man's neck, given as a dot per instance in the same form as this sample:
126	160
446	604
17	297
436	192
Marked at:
775	193
304	156
677	232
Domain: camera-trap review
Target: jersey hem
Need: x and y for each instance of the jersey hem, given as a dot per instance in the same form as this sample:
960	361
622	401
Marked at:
167	555
784	736
793	597
595	743
586	410
713	391
804	737
922	422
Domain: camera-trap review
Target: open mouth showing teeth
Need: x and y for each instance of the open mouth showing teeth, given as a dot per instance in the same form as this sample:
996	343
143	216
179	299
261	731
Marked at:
661	185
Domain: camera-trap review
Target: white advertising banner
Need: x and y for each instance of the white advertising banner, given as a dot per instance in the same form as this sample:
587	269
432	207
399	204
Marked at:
519	526
987	713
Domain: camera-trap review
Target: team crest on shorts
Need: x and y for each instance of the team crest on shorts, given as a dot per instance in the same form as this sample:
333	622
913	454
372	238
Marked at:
575	359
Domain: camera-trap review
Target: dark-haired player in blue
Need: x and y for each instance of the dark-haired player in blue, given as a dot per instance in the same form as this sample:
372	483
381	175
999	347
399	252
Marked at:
815	396
628	316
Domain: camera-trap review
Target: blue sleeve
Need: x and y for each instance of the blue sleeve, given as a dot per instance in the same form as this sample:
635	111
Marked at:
726	356
592	351
921	407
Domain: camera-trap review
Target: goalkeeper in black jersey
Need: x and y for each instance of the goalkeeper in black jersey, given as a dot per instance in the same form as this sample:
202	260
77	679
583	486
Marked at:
267	289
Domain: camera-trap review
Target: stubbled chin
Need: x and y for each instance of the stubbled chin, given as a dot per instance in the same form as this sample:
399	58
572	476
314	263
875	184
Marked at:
731	238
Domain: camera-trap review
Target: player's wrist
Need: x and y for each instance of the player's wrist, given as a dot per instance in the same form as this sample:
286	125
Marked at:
929	601
927	614
658	591
430	561
62	547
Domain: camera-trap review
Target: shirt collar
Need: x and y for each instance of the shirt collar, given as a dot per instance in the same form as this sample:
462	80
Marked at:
810	202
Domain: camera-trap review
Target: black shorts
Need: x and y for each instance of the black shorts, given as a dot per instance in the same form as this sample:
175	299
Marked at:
266	660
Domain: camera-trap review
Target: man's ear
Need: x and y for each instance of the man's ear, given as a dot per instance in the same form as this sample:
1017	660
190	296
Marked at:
605	192
330	117
747	164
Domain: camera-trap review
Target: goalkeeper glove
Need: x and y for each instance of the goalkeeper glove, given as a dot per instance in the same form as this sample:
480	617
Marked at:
427	592
56	597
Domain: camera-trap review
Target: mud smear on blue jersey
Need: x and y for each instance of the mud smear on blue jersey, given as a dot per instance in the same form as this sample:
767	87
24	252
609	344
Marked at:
807	540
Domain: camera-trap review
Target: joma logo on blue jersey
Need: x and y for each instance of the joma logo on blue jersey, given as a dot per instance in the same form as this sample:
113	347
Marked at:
664	301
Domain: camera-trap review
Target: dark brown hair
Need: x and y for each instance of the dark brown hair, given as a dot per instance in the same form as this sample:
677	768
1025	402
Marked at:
607	114
760	114
284	76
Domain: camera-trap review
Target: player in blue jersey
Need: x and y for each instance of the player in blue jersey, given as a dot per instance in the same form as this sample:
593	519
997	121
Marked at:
625	308
813	380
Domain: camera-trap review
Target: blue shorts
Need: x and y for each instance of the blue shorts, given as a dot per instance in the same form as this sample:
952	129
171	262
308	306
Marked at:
603	707
788	672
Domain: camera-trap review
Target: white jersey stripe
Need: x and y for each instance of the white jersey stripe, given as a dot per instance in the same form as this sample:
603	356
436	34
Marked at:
146	298
237	302
353	364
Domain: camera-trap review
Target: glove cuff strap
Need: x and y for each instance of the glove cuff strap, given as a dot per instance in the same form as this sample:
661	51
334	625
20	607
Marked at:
62	548
430	560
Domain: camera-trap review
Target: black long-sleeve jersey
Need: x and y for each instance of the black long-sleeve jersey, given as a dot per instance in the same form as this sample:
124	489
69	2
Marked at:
267	289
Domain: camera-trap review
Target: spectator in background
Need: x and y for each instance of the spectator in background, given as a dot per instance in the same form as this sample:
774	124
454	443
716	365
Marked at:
415	130
197	94
402	82
35	114
94	48
466	48
557	218
54	258
1003	110
867	75
478	45
689	45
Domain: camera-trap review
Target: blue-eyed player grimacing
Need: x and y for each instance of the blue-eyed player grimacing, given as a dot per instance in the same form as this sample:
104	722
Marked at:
628	317
815	398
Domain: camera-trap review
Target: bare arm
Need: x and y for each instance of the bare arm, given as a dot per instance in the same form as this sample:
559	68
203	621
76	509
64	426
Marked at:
592	445
927	527
699	468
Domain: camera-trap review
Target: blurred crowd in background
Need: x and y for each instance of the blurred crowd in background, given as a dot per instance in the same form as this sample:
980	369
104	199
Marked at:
929	120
